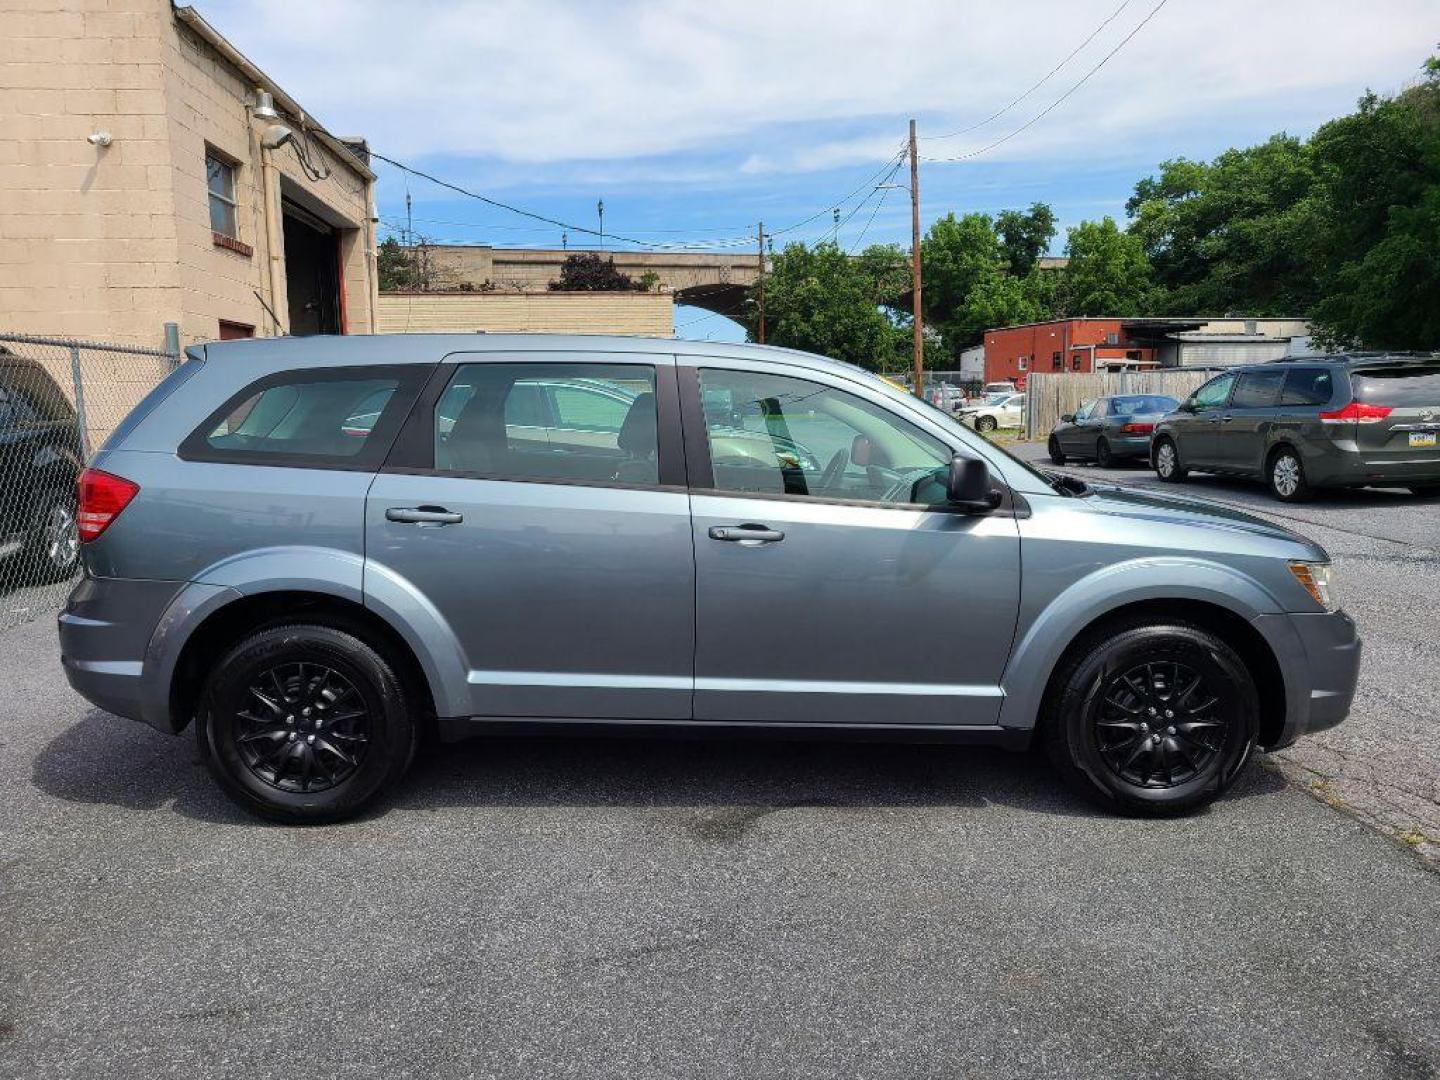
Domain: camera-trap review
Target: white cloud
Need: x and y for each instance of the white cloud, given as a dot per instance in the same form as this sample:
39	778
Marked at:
799	86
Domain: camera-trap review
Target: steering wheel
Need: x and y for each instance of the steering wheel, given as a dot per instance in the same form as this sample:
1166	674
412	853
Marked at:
833	470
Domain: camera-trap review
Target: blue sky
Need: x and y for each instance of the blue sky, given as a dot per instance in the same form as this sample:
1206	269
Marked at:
694	120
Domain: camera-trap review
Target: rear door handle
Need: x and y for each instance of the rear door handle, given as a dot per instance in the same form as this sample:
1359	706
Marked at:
746	534
423	515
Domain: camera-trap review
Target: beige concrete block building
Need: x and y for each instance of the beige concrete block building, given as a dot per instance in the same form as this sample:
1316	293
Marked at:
144	180
515	312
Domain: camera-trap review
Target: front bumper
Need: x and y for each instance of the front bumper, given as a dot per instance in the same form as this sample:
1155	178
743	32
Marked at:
1319	655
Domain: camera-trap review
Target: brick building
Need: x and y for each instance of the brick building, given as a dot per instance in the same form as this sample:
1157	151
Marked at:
1097	344
145	180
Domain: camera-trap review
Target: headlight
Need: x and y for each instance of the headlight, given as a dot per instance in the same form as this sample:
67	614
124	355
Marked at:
1318	579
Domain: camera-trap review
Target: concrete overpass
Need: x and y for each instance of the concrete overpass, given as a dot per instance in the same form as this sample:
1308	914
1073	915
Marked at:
712	281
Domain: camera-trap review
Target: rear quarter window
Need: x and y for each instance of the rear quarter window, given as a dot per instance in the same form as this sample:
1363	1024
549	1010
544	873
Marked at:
1308	386
337	417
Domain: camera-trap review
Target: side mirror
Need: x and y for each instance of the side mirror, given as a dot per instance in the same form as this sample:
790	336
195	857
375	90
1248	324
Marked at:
1067	418
968	486
1188	405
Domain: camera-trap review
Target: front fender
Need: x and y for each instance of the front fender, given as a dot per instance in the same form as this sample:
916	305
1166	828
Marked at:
1051	631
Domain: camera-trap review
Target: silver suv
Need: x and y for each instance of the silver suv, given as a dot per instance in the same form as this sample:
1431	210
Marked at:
318	550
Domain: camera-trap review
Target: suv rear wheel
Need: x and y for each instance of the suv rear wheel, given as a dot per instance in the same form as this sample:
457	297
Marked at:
1167	462
54	547
1286	476
305	724
1153	720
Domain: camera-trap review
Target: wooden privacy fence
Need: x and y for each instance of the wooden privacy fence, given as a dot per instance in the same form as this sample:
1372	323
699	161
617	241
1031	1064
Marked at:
1048	397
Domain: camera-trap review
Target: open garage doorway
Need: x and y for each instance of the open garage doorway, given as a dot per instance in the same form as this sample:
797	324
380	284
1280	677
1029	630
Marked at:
312	272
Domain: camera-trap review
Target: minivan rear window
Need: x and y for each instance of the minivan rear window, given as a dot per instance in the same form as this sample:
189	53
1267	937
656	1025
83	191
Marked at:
1398	386
1307	386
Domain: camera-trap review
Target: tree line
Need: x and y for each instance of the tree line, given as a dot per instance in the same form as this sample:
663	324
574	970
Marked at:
1342	228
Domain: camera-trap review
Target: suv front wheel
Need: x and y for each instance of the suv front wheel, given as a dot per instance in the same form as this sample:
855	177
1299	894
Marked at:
305	724
1286	476
1167	462
1155	719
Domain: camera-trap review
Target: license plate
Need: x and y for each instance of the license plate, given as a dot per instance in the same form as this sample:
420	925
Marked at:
1422	438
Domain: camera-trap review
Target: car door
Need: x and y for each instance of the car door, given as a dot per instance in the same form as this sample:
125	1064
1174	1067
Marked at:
1012	414
841	590
561	566
1199	430
1240	446
1079	438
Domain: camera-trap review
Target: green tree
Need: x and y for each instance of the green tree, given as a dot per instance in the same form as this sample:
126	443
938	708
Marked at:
396	266
1108	274
588	271
821	300
1025	235
955	256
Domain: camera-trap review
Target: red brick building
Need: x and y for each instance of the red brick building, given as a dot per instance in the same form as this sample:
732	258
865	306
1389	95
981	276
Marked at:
1012	352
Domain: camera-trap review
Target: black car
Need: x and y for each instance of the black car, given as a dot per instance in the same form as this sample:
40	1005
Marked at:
1110	429
1347	420
40	459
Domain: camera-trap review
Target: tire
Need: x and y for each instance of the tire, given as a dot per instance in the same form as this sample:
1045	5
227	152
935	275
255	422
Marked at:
1167	462
1057	456
1285	476
986	423
273	690
1103	458
52	552
1106	738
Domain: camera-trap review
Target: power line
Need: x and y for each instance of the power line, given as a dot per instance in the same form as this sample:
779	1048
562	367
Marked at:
829	207
1058	101
1036	86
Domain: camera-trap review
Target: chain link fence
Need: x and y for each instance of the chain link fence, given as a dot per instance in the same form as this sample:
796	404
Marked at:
59	401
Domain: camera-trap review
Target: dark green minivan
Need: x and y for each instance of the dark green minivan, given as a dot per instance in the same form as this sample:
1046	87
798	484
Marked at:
1310	422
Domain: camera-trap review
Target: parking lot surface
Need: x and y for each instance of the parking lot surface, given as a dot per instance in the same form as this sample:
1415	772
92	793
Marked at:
682	909
1383	763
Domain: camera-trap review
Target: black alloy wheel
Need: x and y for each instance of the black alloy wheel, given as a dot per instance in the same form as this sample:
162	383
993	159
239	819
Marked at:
1151	718
306	729
1057	456
986	423
1159	724
306	723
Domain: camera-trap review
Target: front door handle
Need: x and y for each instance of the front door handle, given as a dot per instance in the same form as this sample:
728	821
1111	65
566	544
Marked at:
423	515
746	534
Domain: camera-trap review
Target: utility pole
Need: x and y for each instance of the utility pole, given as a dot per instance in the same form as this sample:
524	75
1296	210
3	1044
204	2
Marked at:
600	209
409	227
915	263
760	281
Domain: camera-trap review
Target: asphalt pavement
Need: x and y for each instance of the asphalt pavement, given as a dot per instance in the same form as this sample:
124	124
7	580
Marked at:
1383	763
582	908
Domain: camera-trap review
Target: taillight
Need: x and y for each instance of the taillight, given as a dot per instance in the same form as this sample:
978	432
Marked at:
101	497
1357	412
1137	429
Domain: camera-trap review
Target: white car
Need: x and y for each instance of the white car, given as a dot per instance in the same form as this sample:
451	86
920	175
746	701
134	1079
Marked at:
999	410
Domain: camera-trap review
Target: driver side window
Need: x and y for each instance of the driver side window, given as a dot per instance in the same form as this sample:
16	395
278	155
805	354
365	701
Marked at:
774	435
1214	393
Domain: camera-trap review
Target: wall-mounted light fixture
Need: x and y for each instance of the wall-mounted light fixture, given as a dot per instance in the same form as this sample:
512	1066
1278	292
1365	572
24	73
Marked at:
276	136
264	107
99	138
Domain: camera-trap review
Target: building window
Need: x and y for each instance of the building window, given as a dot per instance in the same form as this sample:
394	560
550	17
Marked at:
220	178
1112	338
1056	363
1076	359
234	331
1023	362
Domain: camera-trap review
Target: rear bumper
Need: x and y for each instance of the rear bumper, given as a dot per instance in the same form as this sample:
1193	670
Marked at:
1319	658
1343	467
105	629
1129	445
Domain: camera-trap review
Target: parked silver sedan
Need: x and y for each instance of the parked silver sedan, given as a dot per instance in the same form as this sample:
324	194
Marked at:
1110	429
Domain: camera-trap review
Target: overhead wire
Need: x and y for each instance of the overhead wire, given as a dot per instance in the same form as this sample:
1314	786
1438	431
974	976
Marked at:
1034	86
1057	102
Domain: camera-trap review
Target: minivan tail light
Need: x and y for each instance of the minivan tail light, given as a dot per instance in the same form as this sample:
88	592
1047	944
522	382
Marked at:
101	497
1357	412
1137	429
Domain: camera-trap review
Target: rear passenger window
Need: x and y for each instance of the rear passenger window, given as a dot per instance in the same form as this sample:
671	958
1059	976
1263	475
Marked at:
343	417
1258	390
1307	386
572	423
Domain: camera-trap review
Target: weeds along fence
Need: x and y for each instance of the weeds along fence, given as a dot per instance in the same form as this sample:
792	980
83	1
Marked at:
59	401
1049	397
